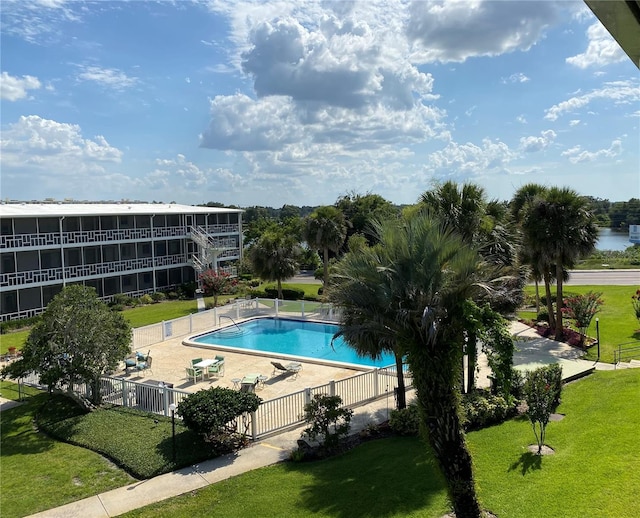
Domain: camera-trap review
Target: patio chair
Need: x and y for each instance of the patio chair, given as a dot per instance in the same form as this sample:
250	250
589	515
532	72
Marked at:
193	373
196	360
217	368
290	368
145	365
249	382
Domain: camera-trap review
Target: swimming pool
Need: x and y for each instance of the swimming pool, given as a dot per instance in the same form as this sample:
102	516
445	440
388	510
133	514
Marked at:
293	338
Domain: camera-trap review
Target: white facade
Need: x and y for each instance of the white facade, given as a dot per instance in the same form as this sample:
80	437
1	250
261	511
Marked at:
130	248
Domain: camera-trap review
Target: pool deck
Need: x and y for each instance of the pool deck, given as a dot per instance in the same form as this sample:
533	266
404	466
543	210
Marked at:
171	357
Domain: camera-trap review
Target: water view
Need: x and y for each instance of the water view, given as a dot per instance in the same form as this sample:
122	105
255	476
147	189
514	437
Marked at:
609	239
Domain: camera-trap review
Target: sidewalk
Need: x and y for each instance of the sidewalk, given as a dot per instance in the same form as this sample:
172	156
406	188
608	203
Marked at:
532	351
263	453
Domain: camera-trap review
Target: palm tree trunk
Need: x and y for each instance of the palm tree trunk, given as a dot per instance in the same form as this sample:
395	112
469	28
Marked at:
559	302
279	289
537	297
401	400
436	374
472	360
325	256
547	289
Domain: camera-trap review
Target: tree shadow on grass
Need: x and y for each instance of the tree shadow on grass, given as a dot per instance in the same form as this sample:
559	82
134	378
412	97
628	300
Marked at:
382	477
527	462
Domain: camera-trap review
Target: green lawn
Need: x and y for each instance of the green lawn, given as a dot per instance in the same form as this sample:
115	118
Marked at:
595	470
39	472
618	324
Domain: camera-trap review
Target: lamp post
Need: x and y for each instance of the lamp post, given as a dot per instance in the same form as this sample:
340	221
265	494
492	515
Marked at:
172	407
598	337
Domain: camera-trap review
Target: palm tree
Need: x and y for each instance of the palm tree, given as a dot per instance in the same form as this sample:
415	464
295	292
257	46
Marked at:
325	229
570	233
411	290
274	257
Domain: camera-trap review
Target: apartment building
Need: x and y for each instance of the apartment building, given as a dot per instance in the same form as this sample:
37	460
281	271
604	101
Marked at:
130	248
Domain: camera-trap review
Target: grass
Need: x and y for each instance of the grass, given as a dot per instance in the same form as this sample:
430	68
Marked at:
15	339
595	470
143	445
391	478
39	472
618	324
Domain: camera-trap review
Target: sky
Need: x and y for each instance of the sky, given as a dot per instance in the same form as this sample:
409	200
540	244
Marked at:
297	102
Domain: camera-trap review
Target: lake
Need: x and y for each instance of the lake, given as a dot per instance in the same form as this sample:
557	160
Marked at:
611	240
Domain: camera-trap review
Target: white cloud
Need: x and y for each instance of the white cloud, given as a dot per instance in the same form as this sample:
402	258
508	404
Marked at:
534	144
15	88
576	154
521	119
519	77
107	77
60	148
38	22
602	49
465	160
618	92
574	122
458	30
179	173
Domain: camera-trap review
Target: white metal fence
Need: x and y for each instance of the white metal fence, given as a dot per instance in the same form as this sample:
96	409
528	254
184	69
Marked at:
272	416
205	320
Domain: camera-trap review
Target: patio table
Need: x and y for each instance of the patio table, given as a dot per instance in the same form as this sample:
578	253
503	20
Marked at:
205	364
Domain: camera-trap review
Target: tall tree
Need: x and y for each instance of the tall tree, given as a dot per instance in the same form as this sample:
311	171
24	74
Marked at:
360	210
412	290
325	230
275	257
563	223
78	339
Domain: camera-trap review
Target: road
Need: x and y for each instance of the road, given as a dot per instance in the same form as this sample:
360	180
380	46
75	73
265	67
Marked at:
604	277
576	278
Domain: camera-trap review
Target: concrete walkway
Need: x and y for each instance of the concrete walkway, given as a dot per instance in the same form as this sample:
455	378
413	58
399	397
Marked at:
532	351
262	453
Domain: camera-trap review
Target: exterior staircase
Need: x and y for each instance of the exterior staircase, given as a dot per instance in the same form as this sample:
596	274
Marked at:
209	248
631	364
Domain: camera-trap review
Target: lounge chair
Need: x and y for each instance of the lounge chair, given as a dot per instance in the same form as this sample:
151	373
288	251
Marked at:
249	382
193	373
290	368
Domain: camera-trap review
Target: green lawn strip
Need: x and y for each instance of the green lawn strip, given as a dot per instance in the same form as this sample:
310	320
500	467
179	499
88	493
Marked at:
142	443
618	324
39	472
14	339
391	478
595	466
310	290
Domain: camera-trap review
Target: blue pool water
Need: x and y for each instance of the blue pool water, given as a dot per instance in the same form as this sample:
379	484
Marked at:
292	337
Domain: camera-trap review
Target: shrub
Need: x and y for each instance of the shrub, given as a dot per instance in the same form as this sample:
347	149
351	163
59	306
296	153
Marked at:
145	300
173	295
158	296
120	299
18	324
254	283
635	301
405	421
480	409
581	309
542	394
327	420
213	413
543	315
287	293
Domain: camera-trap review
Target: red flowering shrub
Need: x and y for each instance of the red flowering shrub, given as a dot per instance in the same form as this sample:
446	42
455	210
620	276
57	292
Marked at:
217	283
581	309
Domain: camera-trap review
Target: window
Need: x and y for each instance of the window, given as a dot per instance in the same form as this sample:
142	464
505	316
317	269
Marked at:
108	222
143	221
96	284
50	259
144	250
9	301
6	226
48	292
8	263
27	261
90	223
70	224
25	226
127	252
48	225
161	248
111	285
129	283
92	255
110	253
173	220
29	298
126	221
72	257
174	247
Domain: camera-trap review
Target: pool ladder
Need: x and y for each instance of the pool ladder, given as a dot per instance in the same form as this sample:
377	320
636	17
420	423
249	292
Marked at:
238	331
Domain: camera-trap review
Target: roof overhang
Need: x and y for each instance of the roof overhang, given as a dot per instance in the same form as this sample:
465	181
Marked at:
622	20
